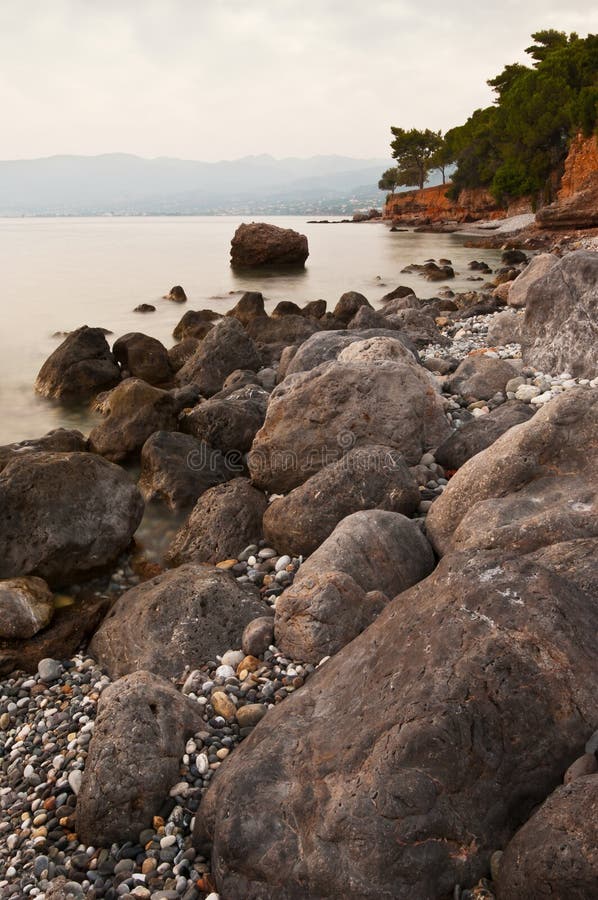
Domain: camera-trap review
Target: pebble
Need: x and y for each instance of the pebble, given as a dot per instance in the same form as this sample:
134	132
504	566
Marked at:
49	670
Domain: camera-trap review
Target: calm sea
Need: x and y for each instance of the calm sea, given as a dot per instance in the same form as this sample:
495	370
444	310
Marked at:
59	274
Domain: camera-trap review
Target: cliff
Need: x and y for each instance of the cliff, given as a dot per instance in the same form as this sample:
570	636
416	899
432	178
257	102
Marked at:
433	205
581	164
577	200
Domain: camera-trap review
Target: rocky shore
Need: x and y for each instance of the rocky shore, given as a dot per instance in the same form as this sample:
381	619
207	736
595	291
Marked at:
367	664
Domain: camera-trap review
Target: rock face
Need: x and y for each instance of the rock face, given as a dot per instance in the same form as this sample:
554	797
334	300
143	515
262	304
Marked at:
46	528
536	485
60	440
481	377
476	436
227	347
144	357
26	606
79	368
139	737
183	617
259	244
370	477
538	267
314	417
561	317
177	469
406	759
578	211
133	411
555	854
225	519
369	557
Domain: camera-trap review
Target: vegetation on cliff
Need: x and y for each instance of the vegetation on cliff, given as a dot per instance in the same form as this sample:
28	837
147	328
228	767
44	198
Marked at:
515	146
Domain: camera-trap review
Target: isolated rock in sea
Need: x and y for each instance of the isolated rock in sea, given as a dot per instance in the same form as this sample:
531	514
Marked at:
481	377
369	477
26	606
537	268
227	347
143	357
46	526
61	440
229	424
475	436
315	417
183	617
418	749
177	294
177	469
132	412
560	332
260	244
555	854
348	305
371	556
249	308
326	346
79	368
139	737
536	485
225	519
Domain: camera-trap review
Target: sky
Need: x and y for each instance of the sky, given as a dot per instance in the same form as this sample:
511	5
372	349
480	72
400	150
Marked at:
221	79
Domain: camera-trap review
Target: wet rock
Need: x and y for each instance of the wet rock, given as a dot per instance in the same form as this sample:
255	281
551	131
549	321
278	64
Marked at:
183	617
286	308
406	759
248	308
177	294
145	308
177	469
26	606
144	357
227	347
398	293
133	411
79	368
260	244
225	519
46	528
271	336
139	737
60	440
315	309
475	436
369	477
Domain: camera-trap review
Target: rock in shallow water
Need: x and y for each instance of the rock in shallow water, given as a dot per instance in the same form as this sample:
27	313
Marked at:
79	368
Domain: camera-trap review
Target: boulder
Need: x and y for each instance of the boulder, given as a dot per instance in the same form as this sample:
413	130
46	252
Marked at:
143	357
398	293
132	412
26	606
366	317
348	305
64	515
140	732
409	301
195	323
145	308
370	477
326	346
61	440
418	326
177	294
574	560
480	377
258	635
419	748
505	328
260	244
561	317
184	617
376	348
555	854
181	352
580	210
314	417
369	557
249	308
286	308
475	436
271	336
79	368
229	424
225	519
177	469
526	474
227	347
315	309
537	268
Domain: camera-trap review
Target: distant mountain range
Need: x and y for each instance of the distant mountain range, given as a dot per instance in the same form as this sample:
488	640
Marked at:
121	184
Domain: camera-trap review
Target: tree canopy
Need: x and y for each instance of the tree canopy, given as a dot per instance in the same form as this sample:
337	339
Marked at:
414	151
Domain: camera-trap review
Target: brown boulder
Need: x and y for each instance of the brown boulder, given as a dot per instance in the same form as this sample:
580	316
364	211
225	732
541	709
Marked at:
555	854
418	326
480	377
79	368
60	440
370	477
286	308
260	244
227	347
133	760
183	617
26	606
475	436
419	748
181	352
225	519
538	267
195	323
348	305
144	357
177	294
229	424
177	469
249	307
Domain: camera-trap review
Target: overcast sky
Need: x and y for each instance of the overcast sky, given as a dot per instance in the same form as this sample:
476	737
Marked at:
219	79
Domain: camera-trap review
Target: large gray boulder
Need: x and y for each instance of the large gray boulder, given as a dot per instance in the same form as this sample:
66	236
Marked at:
371	556
314	417
537	268
369	477
325	346
183	617
79	368
177	469
64	515
481	377
560	332
227	347
260	244
134	756
418	749
536	485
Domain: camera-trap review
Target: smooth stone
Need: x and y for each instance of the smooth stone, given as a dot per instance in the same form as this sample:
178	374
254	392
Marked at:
49	670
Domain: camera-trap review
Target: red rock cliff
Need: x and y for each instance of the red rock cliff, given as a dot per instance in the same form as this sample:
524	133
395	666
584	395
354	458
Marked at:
433	204
581	163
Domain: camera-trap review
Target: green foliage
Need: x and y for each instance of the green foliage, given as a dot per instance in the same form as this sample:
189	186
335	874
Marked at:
389	180
513	147
414	150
